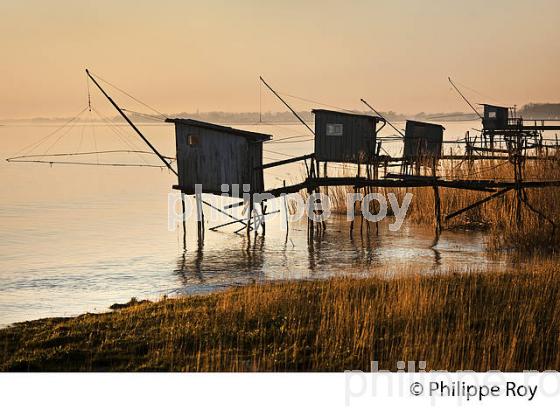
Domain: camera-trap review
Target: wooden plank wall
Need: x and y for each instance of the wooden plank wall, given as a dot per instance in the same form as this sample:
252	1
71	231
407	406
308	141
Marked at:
218	158
356	143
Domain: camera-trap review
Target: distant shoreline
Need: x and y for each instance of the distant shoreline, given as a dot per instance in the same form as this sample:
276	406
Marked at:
528	111
245	118
119	122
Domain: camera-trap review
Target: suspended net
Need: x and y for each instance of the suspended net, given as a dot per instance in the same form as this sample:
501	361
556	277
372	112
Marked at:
76	142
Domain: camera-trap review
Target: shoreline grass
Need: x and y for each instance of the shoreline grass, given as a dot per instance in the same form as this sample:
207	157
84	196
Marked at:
473	321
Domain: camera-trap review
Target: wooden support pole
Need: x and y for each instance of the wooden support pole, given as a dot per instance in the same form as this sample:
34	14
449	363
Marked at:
287	105
376	177
250	214
368	189
263	222
361	203
437	209
326	191
310	176
184	221
285	201
437	202
256	220
321	226
199	215
354	202
120	111
518	180
310	222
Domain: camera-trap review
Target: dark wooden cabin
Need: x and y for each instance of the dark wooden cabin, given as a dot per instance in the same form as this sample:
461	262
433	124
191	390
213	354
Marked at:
345	137
495	117
422	141
212	155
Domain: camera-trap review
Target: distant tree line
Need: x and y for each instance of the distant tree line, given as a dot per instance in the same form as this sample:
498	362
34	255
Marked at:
532	110
541	111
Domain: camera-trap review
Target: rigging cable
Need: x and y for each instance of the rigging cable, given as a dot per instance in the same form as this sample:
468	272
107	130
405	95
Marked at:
464	98
318	102
122	136
64	154
129	95
110	164
34	145
141	114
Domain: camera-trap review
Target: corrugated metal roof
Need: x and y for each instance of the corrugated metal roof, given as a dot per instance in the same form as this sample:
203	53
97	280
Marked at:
255	136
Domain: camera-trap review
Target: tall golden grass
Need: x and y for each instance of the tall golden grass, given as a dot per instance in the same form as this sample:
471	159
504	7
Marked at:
498	216
474	321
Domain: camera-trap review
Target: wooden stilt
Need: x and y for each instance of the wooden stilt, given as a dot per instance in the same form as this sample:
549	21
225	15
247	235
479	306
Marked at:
200	215
263	222
249	215
285	202
376	177
323	225
354	203
518	180
184	221
310	222
326	191
256	221
361	202
437	202
365	189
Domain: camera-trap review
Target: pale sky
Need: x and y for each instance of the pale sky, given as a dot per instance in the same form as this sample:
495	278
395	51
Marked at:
207	55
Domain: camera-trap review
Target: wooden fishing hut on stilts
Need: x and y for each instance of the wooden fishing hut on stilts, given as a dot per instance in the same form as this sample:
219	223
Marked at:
347	138
214	159
219	160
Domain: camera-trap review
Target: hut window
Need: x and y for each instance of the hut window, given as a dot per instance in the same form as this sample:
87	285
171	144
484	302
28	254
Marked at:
192	140
492	114
334	130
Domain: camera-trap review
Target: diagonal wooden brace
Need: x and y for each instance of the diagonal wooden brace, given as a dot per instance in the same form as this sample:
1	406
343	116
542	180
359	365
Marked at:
478	203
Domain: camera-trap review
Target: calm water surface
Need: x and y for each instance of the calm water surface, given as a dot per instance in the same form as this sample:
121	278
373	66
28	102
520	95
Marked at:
78	238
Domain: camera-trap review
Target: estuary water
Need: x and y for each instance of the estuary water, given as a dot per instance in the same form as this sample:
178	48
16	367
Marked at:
78	238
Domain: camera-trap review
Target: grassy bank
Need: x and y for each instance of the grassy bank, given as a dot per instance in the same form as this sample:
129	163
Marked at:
473	321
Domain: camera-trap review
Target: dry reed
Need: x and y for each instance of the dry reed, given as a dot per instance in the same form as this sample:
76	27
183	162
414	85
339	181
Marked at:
476	321
498	216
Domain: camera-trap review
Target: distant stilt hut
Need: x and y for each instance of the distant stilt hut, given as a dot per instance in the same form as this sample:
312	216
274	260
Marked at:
422	143
495	117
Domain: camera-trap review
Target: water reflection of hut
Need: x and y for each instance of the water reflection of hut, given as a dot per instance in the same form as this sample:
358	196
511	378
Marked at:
213	155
